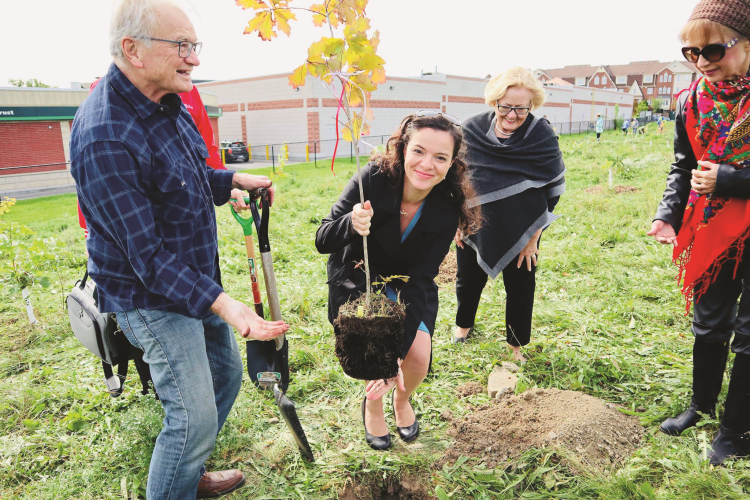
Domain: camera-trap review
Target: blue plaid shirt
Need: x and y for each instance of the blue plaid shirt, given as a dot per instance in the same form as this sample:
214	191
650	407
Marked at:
148	199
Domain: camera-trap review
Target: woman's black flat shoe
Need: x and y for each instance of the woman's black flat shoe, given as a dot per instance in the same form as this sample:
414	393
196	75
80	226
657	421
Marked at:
411	432
461	340
380	443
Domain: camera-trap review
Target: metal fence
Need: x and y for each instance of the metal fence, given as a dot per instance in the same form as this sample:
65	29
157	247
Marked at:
319	150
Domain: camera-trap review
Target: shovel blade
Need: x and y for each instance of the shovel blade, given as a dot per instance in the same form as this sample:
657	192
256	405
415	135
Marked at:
262	357
289	412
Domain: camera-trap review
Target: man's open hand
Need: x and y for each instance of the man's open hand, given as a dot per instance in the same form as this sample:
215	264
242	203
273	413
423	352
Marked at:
245	321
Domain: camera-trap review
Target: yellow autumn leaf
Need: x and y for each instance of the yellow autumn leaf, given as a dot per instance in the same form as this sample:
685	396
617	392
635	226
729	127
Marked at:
378	76
283	16
297	78
252	4
370	62
334	47
263	24
319	16
375	40
355	98
360	25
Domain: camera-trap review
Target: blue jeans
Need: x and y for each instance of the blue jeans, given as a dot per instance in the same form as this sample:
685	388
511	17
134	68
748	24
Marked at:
197	371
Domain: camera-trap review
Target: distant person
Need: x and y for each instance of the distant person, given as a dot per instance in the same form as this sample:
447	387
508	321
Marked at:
138	162
626	126
634	125
518	172
704	215
599	126
415	194
660	122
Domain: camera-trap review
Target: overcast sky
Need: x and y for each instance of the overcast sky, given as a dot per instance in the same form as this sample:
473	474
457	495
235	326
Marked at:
61	41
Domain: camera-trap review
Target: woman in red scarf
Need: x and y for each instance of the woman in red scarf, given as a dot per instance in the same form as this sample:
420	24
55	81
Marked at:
705	215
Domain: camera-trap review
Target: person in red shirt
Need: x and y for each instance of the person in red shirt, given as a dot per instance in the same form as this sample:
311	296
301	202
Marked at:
194	104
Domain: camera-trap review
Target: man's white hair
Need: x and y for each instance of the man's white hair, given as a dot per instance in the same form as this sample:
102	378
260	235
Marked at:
134	19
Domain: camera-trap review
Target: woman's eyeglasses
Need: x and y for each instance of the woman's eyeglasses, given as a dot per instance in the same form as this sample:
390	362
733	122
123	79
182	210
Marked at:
714	52
427	113
520	111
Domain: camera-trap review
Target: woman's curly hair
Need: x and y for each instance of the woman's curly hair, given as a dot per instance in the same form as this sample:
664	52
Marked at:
456	187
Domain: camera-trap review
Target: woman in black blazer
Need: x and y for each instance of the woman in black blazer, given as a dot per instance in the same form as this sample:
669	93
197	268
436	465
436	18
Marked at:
416	193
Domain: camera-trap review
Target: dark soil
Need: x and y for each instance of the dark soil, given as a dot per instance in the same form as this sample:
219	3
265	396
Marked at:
447	275
369	347
589	433
406	487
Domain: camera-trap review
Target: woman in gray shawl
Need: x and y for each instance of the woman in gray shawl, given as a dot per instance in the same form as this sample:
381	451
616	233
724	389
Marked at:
518	173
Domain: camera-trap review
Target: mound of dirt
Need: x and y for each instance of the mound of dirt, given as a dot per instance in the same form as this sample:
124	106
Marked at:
587	431
469	389
406	487
447	275
619	189
625	189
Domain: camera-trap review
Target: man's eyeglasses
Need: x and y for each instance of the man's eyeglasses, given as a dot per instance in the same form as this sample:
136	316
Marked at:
428	113
185	48
505	110
714	52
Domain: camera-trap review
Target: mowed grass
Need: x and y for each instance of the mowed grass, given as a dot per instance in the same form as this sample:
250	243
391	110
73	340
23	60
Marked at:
608	321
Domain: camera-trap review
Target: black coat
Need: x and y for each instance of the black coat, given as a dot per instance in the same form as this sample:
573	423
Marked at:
730	181
419	257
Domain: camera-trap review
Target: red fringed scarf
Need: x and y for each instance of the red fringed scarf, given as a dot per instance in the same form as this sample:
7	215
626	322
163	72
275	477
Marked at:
714	229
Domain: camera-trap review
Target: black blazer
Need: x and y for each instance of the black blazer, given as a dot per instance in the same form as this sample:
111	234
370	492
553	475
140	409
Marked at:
731	182
419	257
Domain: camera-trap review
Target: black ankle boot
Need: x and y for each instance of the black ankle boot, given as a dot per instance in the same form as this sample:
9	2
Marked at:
728	444
709	363
380	443
733	438
677	425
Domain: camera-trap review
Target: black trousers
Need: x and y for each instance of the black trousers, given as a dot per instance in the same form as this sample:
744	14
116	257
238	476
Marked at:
717	314
519	286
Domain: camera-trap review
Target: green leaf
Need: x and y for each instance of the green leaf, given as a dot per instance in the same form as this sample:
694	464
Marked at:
75	425
44	282
31	424
441	494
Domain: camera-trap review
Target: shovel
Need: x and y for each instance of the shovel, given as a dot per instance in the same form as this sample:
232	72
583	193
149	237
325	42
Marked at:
269	356
268	361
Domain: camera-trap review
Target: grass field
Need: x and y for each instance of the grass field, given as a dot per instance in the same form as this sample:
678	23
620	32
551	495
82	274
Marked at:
609	321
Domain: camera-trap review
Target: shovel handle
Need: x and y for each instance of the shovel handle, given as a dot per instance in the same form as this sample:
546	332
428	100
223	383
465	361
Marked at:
257	301
247	224
261	223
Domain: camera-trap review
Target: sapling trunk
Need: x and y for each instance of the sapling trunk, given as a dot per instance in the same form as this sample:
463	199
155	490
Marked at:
355	142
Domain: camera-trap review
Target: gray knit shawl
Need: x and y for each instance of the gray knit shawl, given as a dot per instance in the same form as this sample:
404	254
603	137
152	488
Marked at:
513	181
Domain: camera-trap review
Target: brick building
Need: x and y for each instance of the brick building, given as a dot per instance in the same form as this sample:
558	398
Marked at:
35	131
266	110
642	79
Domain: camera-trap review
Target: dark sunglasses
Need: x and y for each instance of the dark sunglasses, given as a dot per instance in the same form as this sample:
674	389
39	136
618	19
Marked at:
426	113
714	52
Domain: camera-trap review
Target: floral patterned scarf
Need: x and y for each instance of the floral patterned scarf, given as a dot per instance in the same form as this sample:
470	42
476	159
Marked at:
714	229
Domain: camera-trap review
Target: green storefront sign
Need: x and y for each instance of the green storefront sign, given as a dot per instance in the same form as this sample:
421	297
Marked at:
38	113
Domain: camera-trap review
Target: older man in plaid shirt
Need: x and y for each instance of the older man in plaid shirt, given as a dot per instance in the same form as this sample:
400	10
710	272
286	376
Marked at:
144	188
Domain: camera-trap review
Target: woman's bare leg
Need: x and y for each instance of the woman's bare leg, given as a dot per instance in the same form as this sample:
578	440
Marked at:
414	367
